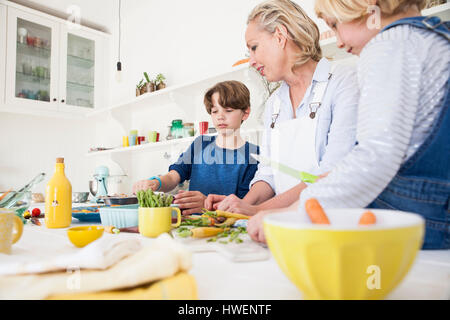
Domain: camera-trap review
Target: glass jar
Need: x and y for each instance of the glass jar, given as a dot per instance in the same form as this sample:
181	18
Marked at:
177	129
169	134
189	130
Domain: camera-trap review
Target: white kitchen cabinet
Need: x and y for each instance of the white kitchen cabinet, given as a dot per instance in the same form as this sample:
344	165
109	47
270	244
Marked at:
52	65
2	52
80	83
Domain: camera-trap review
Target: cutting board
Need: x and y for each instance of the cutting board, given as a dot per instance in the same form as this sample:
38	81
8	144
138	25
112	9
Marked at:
246	251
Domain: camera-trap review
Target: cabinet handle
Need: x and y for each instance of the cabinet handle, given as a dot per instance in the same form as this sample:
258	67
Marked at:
62	100
54	99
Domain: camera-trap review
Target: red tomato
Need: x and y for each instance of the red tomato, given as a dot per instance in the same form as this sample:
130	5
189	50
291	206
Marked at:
36	212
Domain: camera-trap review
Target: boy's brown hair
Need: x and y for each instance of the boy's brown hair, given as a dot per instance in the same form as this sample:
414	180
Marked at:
232	94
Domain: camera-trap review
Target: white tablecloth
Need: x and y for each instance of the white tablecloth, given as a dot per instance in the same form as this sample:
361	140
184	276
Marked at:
219	278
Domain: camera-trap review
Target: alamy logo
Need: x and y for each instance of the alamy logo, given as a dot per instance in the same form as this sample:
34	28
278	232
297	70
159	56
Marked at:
374	280
74	19
374	20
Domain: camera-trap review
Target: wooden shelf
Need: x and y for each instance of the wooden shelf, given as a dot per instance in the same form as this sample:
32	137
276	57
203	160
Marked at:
154	146
168	93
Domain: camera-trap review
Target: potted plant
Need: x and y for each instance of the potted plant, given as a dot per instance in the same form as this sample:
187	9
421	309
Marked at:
139	87
160	81
150	85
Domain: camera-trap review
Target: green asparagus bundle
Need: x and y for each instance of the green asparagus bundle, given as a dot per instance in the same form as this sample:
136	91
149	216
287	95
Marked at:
149	199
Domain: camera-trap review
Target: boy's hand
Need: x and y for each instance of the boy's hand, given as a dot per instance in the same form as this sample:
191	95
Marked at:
233	203
213	201
190	201
145	184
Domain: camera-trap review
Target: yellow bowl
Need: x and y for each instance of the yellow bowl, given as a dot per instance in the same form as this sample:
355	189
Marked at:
344	260
82	236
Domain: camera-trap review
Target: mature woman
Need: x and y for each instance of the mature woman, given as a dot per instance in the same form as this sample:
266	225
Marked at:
310	120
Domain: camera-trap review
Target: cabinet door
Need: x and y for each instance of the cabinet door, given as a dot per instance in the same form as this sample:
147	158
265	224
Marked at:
2	52
32	62
81	55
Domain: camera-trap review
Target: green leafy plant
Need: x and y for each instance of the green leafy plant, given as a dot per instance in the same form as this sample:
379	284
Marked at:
147	78
140	84
149	199
160	78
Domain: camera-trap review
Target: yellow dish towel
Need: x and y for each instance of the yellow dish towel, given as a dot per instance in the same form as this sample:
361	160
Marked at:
179	287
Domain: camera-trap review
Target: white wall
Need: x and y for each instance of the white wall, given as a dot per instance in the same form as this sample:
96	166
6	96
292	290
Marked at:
184	40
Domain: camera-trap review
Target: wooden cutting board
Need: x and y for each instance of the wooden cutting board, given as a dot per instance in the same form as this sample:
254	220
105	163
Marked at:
246	251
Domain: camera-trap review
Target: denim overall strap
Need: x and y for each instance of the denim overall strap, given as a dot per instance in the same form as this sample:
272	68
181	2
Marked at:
422	185
431	23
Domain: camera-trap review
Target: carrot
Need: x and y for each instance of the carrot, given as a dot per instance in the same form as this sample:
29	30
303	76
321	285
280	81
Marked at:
231	215
367	218
241	62
4	195
204	232
316	212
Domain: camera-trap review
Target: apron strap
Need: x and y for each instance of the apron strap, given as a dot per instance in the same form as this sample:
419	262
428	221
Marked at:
319	90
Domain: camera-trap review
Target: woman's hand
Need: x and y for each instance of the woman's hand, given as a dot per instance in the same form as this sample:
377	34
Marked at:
190	201
255	227
145	184
232	203
213	201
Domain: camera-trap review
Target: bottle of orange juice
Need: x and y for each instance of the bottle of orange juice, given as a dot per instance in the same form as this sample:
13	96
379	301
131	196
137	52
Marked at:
58	199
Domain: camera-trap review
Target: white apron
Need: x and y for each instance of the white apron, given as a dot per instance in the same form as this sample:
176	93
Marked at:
293	142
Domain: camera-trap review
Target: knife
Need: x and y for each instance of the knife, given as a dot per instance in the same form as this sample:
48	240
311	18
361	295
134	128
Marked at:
301	175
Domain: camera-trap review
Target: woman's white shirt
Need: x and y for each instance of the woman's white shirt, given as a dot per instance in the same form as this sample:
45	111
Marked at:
336	127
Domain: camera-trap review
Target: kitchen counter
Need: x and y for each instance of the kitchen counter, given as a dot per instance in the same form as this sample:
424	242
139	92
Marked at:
221	279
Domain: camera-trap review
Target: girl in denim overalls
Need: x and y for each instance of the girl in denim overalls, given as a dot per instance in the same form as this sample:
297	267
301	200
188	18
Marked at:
402	159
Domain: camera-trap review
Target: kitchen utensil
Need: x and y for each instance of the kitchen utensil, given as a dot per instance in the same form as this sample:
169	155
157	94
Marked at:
120	216
246	251
79	197
301	175
93	187
87	214
156	221
82	236
343	260
10	200
120	201
100	175
9	222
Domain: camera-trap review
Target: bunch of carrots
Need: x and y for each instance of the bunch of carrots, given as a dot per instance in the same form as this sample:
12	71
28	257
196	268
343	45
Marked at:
318	215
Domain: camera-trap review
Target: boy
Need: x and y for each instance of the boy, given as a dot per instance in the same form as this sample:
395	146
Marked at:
219	165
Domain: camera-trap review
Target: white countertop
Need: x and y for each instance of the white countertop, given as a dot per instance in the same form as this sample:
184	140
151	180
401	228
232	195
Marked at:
219	278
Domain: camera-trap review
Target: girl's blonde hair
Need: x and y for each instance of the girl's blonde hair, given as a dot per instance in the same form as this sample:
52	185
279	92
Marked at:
301	29
349	10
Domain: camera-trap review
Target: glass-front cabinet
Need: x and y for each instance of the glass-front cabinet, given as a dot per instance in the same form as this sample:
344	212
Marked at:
32	61
79	72
2	52
51	65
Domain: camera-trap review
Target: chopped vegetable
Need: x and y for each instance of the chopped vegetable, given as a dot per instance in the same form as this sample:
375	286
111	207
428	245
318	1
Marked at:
27	214
367	218
204	232
231	215
242	61
316	212
227	223
149	199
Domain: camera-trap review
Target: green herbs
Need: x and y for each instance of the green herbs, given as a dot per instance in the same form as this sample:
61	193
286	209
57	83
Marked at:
184	232
231	235
149	199
212	214
199	222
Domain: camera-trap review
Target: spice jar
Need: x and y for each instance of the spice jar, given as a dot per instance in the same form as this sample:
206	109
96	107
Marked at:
189	130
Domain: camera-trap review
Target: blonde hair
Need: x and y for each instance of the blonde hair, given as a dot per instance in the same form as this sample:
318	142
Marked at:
349	10
301	29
